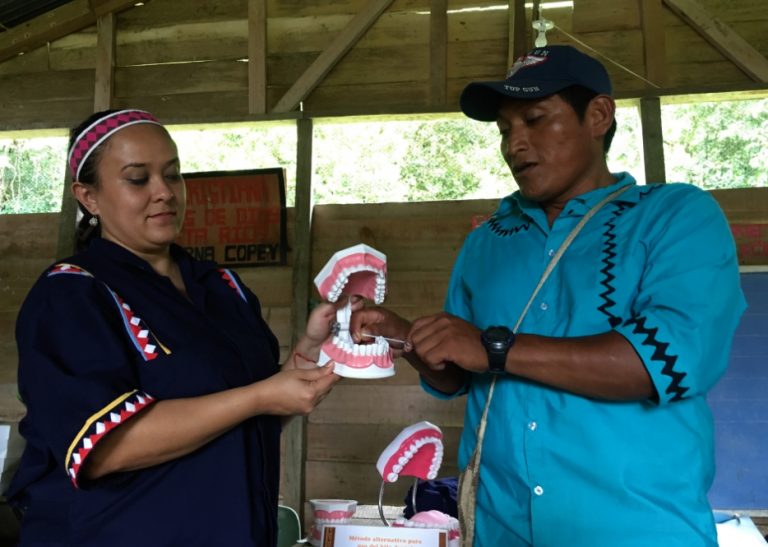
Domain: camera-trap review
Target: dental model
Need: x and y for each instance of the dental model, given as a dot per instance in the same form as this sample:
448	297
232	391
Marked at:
433	520
358	270
416	452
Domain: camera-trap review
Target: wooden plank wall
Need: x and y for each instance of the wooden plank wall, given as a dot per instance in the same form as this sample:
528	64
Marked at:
27	246
185	61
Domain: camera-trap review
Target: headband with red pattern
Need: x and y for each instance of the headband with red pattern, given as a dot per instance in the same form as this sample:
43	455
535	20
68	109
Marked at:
101	130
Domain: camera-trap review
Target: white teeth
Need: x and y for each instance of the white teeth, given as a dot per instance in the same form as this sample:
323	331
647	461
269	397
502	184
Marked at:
397	468
402	460
392	477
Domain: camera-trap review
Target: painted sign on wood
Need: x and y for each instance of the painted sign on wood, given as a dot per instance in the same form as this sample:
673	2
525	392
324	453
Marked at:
236	218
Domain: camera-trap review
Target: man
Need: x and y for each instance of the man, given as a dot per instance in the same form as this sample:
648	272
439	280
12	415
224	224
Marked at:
598	433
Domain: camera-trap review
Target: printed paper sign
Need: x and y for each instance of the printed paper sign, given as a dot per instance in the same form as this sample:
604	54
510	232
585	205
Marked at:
379	536
236	218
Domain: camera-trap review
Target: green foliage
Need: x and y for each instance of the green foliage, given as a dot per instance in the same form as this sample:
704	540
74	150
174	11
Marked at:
712	145
717	145
449	159
31	175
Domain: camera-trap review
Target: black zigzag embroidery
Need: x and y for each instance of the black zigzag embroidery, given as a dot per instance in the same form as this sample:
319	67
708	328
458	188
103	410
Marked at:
609	254
496	228
660	354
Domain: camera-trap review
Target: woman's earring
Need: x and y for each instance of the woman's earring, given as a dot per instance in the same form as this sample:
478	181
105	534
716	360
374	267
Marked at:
94	221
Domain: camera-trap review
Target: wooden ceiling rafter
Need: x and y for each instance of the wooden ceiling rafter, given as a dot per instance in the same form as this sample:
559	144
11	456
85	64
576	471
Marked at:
331	55
57	23
438	52
722	37
654	41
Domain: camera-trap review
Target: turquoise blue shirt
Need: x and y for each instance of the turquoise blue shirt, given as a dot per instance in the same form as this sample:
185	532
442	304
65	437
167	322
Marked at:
658	265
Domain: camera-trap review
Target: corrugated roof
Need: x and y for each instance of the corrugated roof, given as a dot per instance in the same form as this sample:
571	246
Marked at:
16	12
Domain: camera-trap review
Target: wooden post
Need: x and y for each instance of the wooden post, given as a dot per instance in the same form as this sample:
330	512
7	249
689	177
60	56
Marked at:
66	245
438	52
257	56
518	32
653	139
105	62
654	41
295	434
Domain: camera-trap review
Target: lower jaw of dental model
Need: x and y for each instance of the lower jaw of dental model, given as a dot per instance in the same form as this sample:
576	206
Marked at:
358	270
416	452
367	361
433	520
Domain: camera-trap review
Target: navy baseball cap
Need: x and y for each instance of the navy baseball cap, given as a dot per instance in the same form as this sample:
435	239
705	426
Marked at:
539	73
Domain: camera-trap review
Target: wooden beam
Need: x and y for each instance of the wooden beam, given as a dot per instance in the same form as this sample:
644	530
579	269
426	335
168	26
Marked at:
654	43
56	23
653	139
257	56
66	243
105	62
723	38
518	32
438	52
103	7
343	42
295	434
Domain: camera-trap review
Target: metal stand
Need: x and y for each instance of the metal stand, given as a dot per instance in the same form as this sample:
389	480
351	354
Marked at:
381	500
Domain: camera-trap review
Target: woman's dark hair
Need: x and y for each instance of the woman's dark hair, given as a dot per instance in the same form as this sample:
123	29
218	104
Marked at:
579	98
84	231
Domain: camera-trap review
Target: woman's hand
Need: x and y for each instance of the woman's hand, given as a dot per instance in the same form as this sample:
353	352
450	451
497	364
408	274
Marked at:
318	330
323	317
297	392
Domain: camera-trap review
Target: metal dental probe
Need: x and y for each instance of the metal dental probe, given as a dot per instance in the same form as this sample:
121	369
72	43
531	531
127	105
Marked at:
390	340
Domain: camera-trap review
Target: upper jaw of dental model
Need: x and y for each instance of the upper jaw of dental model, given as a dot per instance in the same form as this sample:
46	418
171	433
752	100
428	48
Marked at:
416	452
359	269
433	519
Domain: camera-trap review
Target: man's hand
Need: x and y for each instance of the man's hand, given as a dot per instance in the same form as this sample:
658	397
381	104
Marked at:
442	338
380	322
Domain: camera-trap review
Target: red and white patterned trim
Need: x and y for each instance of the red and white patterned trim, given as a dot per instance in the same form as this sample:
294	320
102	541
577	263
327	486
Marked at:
101	423
101	130
229	277
142	338
64	268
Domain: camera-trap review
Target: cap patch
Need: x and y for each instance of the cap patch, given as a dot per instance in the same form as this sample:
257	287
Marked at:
525	61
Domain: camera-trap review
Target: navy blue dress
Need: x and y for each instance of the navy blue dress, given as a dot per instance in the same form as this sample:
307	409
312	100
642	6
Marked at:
101	337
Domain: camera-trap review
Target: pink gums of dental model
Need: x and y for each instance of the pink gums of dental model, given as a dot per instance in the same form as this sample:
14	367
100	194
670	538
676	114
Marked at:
416	452
357	270
433	519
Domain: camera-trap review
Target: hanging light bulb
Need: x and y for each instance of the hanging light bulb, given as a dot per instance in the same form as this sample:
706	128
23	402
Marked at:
542	25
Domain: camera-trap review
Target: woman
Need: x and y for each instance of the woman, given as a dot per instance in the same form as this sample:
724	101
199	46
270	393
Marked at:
153	391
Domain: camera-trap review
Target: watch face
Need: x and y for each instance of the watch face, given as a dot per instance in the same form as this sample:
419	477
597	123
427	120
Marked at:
497	335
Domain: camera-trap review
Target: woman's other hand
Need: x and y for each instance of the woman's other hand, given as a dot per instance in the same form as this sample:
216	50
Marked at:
297	392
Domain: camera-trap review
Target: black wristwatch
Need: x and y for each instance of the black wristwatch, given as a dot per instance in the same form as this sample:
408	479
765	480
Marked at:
497	341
